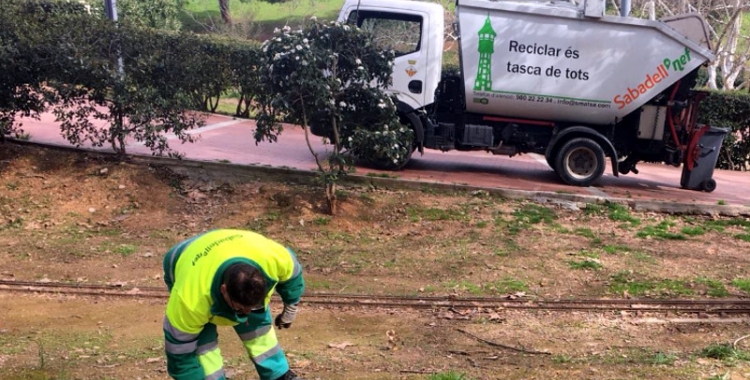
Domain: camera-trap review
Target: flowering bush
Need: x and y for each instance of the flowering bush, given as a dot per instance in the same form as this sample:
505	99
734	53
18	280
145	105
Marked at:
331	77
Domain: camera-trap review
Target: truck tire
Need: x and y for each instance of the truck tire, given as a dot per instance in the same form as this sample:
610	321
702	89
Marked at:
580	162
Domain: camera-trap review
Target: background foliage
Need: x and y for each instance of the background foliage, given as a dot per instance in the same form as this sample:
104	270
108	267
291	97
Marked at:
730	110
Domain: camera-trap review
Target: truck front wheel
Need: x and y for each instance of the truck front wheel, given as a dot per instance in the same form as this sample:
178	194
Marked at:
580	162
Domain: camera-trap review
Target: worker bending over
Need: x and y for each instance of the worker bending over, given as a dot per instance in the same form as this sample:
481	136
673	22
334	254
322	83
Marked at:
226	278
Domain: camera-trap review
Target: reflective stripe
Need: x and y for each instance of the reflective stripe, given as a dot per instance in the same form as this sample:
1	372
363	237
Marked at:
216	375
260	358
180	348
297	267
174	253
263	330
203	348
177	334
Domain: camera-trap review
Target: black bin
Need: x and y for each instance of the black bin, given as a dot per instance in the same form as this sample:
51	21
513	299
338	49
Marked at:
699	178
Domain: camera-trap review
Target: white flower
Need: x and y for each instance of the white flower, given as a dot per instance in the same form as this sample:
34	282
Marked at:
304	63
358	61
298	47
276	30
277	57
346	27
395	146
305	41
395	161
332	102
342	104
350	139
360	68
286	29
296	58
381	105
313	18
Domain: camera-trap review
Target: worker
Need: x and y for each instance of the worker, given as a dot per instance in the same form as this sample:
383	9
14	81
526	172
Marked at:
226	277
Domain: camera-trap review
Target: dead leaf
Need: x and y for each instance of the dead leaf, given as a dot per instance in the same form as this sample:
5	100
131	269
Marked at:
153	360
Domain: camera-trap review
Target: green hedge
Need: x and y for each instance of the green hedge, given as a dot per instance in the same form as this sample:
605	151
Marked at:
730	110
57	55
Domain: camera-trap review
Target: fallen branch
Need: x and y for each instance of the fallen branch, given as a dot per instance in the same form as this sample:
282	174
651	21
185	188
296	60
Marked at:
491	343
421	372
734	345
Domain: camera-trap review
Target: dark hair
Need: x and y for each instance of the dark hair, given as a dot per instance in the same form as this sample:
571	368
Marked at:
245	284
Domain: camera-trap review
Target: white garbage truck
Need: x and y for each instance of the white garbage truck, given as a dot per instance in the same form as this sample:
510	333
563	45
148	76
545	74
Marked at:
549	77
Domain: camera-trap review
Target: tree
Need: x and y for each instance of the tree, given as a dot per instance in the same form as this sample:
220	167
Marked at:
225	13
729	32
331	77
142	103
157	14
25	59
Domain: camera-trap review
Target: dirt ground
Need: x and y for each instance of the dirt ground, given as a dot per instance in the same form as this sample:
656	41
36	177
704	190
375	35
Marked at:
86	219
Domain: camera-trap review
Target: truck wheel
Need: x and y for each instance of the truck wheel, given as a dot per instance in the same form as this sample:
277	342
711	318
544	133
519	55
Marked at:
550	160
580	162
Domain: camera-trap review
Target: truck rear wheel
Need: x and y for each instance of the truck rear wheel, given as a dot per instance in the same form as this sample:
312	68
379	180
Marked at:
580	162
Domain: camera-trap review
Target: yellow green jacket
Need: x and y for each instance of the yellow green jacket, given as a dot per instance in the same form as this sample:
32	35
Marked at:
193	270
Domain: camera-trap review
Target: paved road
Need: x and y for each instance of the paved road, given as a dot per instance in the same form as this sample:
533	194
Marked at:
228	139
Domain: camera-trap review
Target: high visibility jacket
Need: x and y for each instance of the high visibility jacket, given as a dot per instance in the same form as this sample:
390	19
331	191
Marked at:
194	272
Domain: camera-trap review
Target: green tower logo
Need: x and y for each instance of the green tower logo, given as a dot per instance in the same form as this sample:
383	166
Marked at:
486	48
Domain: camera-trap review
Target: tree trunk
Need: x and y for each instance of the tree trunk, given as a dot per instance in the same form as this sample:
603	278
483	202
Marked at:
225	14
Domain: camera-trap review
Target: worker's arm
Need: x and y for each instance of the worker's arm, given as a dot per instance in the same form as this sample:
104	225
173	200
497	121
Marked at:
291	283
290	287
181	329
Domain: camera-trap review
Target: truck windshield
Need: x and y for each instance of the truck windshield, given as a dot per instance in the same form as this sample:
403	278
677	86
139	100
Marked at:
401	33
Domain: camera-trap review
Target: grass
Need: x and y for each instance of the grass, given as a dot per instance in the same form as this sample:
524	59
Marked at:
585	265
585	232
661	358
434	214
508	285
200	14
620	213
742	284
693	231
614	249
626	282
450	375
660	231
714	287
126	249
724	352
534	214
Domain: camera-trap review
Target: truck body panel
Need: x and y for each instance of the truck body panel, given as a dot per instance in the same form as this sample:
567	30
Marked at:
563	66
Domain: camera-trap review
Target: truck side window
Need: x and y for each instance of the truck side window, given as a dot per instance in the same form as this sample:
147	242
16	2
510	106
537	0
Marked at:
401	33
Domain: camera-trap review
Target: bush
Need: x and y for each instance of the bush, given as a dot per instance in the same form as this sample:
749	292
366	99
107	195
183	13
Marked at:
141	82
729	110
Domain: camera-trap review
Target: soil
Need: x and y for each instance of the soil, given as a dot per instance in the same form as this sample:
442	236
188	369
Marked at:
85	218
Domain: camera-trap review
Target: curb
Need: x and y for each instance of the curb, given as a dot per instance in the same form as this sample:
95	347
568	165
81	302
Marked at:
210	170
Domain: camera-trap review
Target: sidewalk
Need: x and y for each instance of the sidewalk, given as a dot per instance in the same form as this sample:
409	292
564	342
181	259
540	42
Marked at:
226	139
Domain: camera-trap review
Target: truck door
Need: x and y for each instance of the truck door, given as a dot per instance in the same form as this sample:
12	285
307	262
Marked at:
402	33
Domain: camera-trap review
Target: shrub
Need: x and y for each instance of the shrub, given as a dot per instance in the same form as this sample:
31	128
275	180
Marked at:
729	110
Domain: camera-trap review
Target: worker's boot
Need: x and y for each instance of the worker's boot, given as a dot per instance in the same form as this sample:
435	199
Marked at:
290	376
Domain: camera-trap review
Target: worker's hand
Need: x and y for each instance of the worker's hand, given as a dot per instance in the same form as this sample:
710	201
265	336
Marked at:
285	319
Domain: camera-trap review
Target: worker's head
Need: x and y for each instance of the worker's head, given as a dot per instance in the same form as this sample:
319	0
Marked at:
243	288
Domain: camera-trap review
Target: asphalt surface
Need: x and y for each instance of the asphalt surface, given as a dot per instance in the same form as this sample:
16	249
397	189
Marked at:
657	187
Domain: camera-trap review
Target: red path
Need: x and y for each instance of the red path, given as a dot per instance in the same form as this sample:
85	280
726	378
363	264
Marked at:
226	138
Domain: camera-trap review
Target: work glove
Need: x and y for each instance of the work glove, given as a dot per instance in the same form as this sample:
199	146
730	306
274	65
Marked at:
285	319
